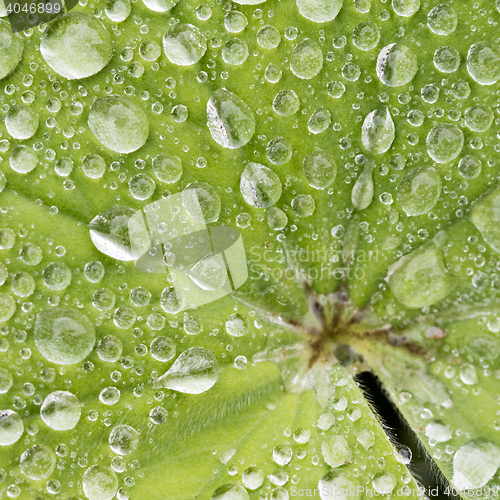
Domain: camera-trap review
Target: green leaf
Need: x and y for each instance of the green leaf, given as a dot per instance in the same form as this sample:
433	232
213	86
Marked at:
214	216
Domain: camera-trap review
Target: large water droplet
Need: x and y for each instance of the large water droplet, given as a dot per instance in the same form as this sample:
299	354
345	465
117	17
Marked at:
320	169
478	118
119	123
61	410
184	44
123	439
438	431
63	335
420	278
362	192
21	122
419	191
445	142
405	8
209	273
99	483
11	49
366	36
335	486
38	462
474	464
194	371
319	11
110	232
76	45
319	121
7	307
11	427
384	483
260	186
483	63
230	492
307	59
336	451
235	52
485	215
23	159
378	132
230	121
442	19
201	202
396	65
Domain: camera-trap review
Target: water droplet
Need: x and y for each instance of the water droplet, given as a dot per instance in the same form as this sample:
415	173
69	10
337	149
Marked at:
110	232
303	205
268	37
470	166
38	462
119	123
141	187
123	439
396	65
474	464
438	431
109	396
279	151
276	219
209	273
478	118
362	192
468	374
286	103
420	278
260	186
7	307
201	202
319	11
307	59
109	348
11	50
336	451
319	121
193	372
11	427
384	483
230	492
442	19
444	142
446	59
419	191
230	121
335	486
236	325
483	63
93	166
366	36
6	380
162	348
117	10
235	52
76	45
378	132
235	21
172	301
282	455
167	168
21	122
158	415
99	483
320	169
56	276
252	478
184	44
23	159
405	8
63	335
61	410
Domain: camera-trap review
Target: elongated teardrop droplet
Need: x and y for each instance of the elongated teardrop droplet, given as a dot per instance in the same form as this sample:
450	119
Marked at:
194	371
362	192
378	132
